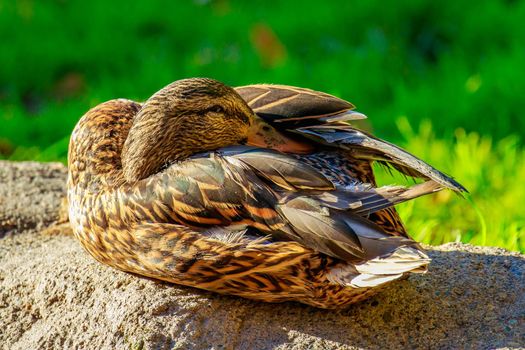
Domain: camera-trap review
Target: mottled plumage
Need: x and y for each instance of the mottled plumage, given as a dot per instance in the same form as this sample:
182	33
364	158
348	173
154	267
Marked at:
174	189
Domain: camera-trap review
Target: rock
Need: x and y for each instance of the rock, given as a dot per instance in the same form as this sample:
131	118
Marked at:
53	295
29	195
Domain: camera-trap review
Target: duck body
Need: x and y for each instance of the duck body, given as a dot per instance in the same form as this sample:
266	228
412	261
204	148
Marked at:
307	226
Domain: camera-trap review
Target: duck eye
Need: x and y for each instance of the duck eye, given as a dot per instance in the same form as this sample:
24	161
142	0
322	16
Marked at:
217	109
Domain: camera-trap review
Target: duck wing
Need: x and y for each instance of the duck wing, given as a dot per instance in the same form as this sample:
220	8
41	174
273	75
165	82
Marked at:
275	194
323	119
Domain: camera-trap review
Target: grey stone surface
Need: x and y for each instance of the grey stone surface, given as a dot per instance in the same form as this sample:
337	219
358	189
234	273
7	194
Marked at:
29	195
54	296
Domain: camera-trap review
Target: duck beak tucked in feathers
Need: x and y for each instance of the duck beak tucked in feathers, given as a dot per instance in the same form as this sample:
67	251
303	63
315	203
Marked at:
264	135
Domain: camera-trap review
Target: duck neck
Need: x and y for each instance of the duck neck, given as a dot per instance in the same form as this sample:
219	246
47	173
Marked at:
157	139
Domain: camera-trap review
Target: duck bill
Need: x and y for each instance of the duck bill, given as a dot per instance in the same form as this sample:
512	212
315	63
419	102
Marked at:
265	136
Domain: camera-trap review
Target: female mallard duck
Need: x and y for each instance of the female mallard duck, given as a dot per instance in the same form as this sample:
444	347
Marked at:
264	192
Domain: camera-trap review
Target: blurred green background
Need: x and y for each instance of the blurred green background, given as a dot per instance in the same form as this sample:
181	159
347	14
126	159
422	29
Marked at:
443	79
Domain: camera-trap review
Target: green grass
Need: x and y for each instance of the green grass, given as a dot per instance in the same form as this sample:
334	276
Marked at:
491	215
456	63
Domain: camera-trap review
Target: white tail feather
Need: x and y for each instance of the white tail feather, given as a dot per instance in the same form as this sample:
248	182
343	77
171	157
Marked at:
380	270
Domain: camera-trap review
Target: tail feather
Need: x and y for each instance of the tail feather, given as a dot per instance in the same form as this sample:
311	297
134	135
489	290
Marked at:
402	260
380	270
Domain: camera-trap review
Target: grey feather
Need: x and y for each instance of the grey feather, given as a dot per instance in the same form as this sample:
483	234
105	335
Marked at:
283	170
366	146
340	234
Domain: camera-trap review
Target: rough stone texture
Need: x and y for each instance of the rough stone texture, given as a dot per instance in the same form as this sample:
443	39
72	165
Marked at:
29	195
54	296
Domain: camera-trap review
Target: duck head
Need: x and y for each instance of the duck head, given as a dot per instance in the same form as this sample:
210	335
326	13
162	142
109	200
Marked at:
190	116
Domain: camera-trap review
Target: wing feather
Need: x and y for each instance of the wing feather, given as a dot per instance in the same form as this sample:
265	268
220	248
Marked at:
276	194
290	105
323	118
366	146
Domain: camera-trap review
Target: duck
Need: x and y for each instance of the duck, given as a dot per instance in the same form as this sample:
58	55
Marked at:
264	192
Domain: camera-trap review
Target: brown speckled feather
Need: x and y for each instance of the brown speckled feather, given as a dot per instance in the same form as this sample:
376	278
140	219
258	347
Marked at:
311	228
290	105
